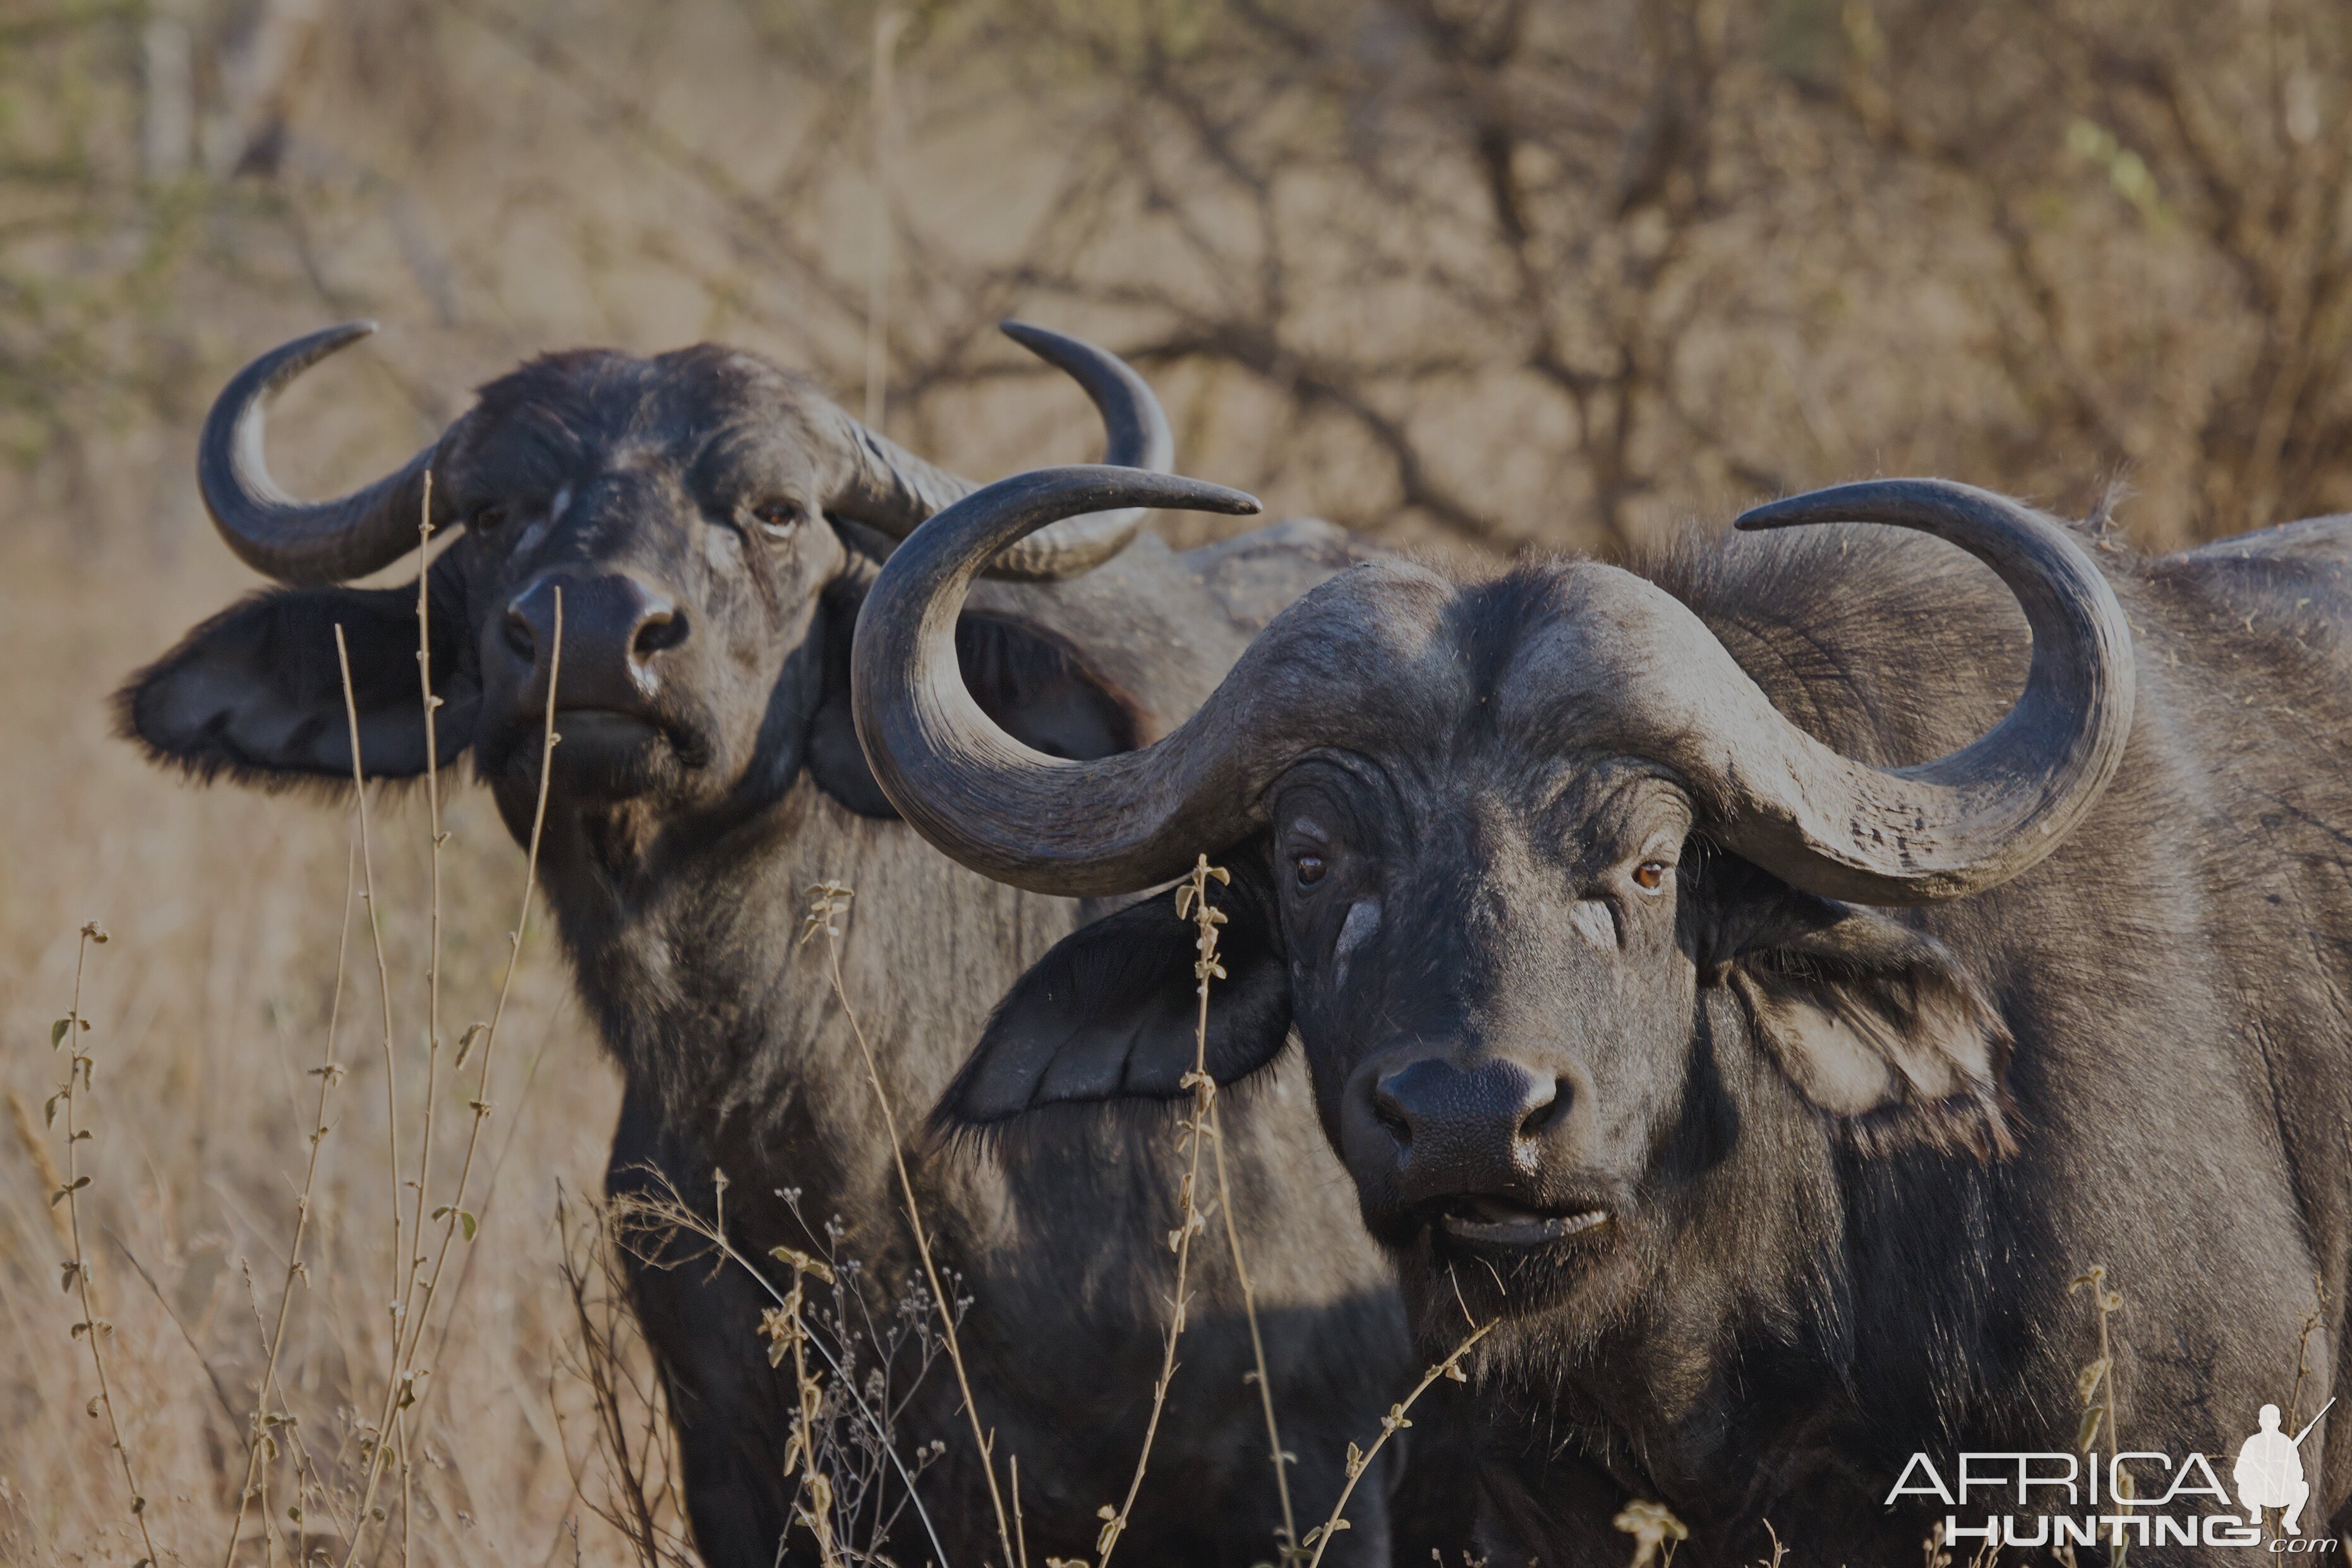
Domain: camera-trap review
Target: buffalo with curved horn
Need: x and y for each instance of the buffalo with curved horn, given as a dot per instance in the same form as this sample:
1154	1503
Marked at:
1758	982
710	523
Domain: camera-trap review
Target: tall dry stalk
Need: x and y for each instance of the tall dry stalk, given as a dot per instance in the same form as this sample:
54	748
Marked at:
1359	1460
787	1333
630	1424
68	1031
414	1306
2302	1350
2094	1385
1289	1534
1192	904
373	1444
409	1321
827	899
259	1436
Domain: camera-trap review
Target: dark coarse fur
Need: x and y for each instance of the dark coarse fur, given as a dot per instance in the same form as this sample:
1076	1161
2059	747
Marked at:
680	843
1850	1159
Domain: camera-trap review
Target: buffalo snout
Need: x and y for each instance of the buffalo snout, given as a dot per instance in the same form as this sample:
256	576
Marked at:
617	627
1437	1127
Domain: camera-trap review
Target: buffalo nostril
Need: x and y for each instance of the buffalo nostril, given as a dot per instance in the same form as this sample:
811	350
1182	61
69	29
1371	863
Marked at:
1390	1113
660	628
1544	1105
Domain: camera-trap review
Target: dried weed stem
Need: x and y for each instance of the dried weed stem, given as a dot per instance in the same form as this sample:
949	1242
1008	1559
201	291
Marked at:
1192	904
68	1031
786	1332
259	1435
1289	1537
1359	1460
414	1304
671	1211
827	901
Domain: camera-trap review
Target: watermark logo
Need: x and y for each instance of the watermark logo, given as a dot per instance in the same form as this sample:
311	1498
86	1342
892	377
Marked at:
2135	1498
2269	1471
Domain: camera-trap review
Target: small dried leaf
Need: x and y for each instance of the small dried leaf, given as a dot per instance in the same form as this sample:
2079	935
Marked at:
801	1262
50	1109
77	1184
2087	1381
57	1032
465	1042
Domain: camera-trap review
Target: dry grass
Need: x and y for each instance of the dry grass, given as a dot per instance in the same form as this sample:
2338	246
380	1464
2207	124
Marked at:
208	1010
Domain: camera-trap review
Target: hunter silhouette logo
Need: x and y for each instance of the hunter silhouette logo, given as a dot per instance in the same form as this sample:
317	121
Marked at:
2269	1471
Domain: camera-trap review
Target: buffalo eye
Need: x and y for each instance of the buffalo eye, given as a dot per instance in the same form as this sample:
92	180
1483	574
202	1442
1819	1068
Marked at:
1310	869
487	518
1650	876
776	518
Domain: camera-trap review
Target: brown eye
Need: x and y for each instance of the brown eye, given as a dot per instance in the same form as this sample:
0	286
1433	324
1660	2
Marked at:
1650	874
778	517
487	518
1310	869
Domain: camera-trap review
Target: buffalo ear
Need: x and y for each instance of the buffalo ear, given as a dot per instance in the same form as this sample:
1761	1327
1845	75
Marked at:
1037	690
1109	1012
1874	1023
255	692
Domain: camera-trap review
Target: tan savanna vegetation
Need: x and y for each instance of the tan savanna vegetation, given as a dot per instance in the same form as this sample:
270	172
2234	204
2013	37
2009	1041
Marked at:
1480	274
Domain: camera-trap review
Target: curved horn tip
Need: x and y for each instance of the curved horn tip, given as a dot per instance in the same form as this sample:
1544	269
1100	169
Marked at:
1121	488
288	360
1786	512
1059	350
1828	504
1199	495
343	333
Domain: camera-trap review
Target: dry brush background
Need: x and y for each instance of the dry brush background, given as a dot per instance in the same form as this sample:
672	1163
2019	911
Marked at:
1481	274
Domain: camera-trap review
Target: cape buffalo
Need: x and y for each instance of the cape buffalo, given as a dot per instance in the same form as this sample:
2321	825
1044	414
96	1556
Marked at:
712	523
1764	1082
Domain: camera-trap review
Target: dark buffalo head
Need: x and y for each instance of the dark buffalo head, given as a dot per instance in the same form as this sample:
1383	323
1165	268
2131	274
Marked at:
701	517
1525	862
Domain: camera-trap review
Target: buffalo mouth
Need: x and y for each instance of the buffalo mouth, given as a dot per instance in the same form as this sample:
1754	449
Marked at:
601	753
1488	1221
606	729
